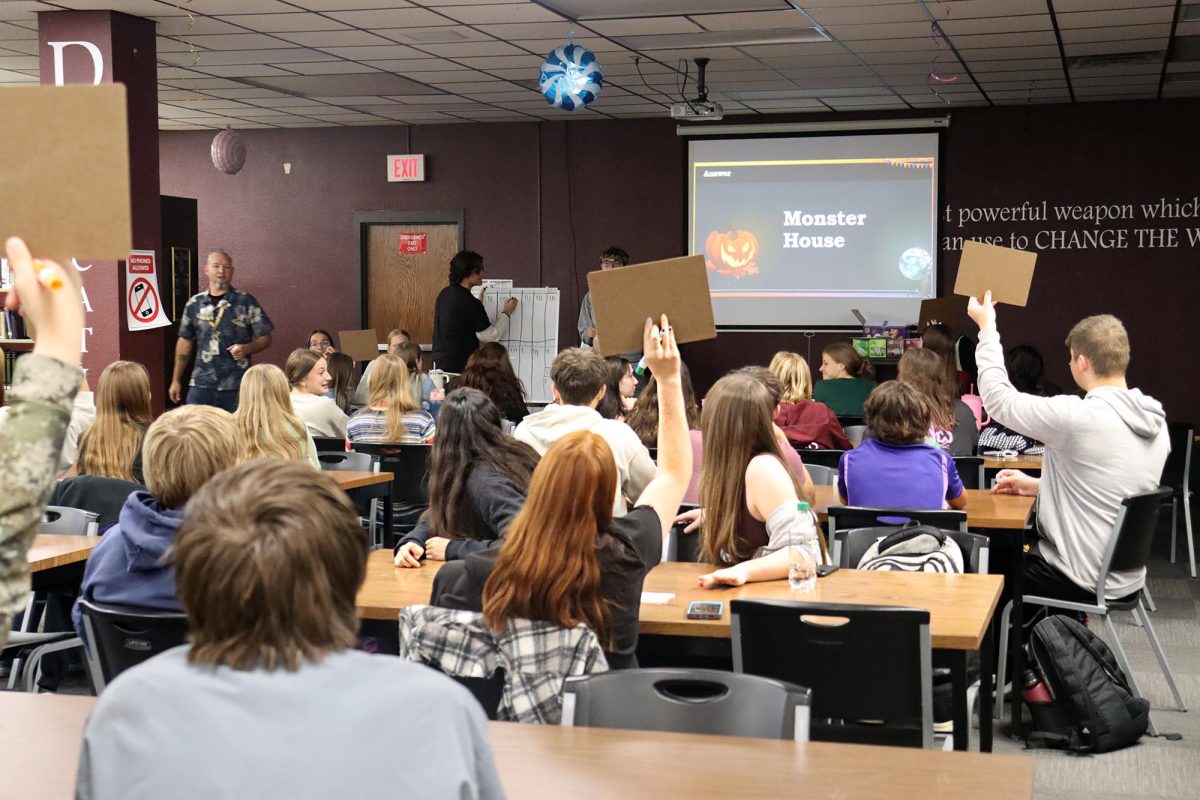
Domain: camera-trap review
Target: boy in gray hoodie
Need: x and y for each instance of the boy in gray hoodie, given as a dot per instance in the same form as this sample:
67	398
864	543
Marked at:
1100	449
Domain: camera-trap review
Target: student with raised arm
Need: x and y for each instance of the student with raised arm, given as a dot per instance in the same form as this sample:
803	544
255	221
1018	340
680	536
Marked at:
31	437
566	558
1100	449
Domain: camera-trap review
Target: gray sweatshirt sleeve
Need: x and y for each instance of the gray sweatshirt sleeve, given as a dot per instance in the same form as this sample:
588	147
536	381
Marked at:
359	396
586	319
1046	419
496	331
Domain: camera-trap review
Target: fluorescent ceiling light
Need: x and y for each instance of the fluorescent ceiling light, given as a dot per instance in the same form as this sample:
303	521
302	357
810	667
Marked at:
692	41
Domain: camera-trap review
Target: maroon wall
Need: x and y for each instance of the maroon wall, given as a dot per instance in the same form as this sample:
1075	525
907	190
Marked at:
541	200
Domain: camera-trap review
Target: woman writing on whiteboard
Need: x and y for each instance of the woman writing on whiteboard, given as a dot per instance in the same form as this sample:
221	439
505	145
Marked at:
847	380
460	322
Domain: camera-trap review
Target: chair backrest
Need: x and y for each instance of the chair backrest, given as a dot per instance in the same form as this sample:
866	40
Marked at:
342	461
329	444
683	546
849	421
101	495
409	464
1133	532
688	701
120	637
849	546
1178	467
842	517
822	476
68	521
855	433
970	471
861	663
821	458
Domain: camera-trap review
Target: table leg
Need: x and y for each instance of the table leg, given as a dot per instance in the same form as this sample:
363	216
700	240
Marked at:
958	688
389	538
985	691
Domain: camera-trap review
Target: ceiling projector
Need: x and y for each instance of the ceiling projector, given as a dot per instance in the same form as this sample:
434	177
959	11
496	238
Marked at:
697	111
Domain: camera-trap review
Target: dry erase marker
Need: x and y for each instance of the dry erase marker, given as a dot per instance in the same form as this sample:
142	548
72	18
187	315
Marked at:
48	276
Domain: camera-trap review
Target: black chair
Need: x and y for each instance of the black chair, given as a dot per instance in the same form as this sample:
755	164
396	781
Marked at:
1128	549
855	433
821	458
1177	474
329	444
845	517
409	465
683	546
849	546
861	663
102	496
970	471
848	420
342	461
688	701
822	476
120	637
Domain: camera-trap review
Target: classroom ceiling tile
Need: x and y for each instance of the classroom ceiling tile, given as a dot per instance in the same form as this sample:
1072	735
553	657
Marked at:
198	26
330	68
283	23
502	12
327	39
473	49
441	34
384	17
376	83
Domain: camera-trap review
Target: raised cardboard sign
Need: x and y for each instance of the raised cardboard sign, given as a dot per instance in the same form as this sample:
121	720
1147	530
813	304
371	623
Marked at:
359	345
64	154
1007	272
623	298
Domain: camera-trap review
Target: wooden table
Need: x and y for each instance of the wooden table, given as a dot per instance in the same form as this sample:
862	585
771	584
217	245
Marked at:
984	509
350	479
1020	462
54	550
40	735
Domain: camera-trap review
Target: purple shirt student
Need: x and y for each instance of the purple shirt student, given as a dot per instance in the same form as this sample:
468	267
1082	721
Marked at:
880	475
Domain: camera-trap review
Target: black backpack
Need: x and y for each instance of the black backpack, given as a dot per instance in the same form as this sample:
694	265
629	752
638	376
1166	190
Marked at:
1094	708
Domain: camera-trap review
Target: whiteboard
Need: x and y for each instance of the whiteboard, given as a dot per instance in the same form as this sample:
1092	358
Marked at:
532	339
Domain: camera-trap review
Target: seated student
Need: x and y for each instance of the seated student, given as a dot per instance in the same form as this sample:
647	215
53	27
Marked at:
490	370
268	562
953	425
184	448
341	375
619	389
567	558
321	343
774	392
308	376
749	493
423	385
478	477
1100	448
897	469
578	380
393	415
395	338
938	338
643	417
1026	372
266	425
805	422
847	380
112	446
31	436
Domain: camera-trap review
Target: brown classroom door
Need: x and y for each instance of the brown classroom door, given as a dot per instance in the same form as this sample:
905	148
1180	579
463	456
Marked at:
402	288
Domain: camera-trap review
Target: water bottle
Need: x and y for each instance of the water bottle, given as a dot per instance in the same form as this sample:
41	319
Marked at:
1033	689
802	571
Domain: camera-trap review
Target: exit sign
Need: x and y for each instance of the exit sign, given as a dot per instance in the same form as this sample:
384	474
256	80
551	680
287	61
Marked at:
406	168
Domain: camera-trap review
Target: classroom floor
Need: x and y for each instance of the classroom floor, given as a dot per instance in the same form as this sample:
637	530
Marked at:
1155	768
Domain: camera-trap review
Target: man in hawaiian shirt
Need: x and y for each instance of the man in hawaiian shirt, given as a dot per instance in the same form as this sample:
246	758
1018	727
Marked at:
224	326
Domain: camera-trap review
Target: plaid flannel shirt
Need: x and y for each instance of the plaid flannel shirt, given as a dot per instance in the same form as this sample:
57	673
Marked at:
537	657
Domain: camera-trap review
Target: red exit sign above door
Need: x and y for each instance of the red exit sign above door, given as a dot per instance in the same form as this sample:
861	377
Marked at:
406	168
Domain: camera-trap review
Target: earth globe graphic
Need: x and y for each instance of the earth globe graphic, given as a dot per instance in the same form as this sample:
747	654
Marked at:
915	263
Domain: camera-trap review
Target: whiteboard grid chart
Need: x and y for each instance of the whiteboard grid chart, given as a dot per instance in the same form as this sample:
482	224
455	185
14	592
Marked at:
532	339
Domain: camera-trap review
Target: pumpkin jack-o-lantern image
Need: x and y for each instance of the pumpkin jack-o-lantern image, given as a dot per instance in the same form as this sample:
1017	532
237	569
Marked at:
731	253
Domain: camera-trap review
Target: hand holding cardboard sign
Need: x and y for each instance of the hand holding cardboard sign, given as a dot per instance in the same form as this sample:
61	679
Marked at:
56	313
984	314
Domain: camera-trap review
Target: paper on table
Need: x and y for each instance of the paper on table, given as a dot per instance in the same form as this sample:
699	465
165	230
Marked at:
657	598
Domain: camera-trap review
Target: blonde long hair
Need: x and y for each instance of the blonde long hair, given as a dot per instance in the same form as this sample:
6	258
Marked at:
794	375
736	419
112	443
267	426
391	389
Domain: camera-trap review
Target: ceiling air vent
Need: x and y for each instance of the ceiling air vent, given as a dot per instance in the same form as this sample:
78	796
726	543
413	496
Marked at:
1106	60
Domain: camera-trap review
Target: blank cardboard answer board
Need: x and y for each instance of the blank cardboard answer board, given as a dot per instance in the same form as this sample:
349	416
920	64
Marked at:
623	298
360	345
1007	272
64	158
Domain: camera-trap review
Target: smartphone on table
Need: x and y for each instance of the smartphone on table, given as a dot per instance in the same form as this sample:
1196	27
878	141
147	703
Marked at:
705	609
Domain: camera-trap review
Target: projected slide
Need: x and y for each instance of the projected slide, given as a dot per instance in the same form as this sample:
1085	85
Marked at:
799	231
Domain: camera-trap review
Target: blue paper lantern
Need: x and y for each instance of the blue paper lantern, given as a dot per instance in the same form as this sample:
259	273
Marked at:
571	77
